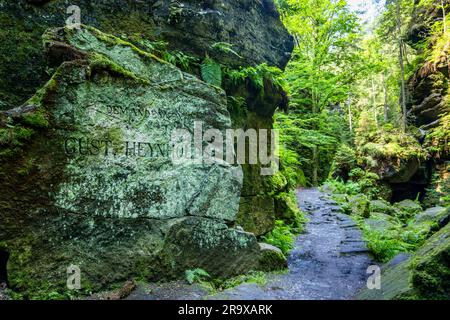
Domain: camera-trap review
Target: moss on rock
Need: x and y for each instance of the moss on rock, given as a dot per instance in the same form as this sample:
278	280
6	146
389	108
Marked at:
431	266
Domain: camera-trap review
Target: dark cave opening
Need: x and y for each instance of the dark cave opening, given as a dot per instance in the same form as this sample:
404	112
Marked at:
4	256
403	191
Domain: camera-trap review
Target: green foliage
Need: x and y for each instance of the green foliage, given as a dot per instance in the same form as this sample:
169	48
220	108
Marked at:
438	139
360	182
196	276
384	245
180	59
225	47
12	138
257	277
211	72
344	161
339	187
256	75
299	137
385	145
321	68
367	182
281	237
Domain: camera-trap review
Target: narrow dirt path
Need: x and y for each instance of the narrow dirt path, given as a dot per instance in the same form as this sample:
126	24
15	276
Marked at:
329	261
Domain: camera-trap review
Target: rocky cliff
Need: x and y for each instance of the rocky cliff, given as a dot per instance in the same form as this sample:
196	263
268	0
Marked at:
86	168
428	107
252	27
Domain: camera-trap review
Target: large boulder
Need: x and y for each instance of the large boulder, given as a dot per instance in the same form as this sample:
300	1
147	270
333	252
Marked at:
234	33
431	266
89	178
381	206
424	275
438	215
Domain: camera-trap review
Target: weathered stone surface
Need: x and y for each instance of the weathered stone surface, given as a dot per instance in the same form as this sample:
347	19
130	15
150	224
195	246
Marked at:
210	245
394	285
99	188
145	23
380	206
430	266
192	26
379	221
435	214
407	209
360	205
424	275
256	214
272	258
438	191
393	173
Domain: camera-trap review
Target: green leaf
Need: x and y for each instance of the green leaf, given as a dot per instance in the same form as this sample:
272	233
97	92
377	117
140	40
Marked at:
211	72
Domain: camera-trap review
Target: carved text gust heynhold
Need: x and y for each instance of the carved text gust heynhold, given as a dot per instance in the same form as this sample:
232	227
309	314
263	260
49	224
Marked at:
104	147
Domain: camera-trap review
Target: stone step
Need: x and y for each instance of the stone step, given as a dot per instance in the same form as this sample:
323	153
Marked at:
348	224
353	247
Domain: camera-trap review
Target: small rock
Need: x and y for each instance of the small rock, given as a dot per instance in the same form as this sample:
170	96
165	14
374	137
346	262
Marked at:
272	258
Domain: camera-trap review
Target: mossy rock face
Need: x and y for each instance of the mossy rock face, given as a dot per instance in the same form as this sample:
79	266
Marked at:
431	266
424	275
189	26
286	207
395	284
381	206
438	215
101	190
360	205
272	259
380	222
407	209
438	191
256	214
259	194
344	161
196	242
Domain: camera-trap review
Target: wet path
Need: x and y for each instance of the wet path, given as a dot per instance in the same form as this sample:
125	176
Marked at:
329	261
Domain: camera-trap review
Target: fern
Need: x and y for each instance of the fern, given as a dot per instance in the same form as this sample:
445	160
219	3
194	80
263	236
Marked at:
256	75
281	236
196	275
180	59
225	47
211	72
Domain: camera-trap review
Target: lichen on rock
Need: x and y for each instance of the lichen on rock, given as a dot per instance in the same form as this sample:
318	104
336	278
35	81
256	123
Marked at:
112	201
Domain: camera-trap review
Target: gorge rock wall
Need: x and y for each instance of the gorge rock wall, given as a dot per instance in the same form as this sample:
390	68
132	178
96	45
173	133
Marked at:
85	158
252	27
429	109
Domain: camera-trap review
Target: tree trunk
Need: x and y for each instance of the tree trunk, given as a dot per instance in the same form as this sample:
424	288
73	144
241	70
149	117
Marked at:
385	106
402	67
350	118
444	23
374	103
315	169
